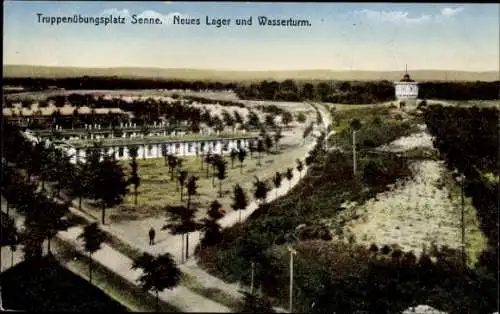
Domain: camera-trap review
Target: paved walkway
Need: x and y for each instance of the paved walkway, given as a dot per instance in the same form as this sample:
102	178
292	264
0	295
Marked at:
180	297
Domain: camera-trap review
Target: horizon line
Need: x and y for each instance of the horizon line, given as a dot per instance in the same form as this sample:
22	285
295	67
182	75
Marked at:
241	70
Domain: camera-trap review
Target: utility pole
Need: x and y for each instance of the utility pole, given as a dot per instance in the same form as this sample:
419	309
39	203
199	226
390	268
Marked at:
292	253
464	258
354	152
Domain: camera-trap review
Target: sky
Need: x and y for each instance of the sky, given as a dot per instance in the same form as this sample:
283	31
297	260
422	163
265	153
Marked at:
341	36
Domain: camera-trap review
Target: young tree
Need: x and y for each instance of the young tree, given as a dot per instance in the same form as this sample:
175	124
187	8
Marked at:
300	167
214	211
261	190
277	137
242	154
239	199
109	185
192	188
182	179
286	118
92	238
269	120
289	176
233	155
221	173
134	176
79	183
260	149
301	117
268	143
277	181
237	117
158	273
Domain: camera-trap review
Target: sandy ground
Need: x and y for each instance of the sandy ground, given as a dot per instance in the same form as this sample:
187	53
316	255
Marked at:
415	212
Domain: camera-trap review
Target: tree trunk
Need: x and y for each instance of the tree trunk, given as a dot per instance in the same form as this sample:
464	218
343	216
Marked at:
103	212
182	248
48	245
240	215
135	195
12	258
189	200
80	202
177	186
241	167
182	189
157	301
220	188
213	179
289	184
232	163
7	207
90	267
208	169
187	246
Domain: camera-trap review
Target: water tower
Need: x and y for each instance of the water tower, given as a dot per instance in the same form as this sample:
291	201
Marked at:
406	89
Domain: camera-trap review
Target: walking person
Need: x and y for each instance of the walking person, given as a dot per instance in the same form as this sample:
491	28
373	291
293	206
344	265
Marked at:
152	234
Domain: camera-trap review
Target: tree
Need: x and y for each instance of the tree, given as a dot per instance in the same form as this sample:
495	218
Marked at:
255	304
286	118
234	155
181	221
108	185
269	120
239	199
260	149
277	137
158	273
277	181
182	179
268	143
221	173
355	126
92	238
80	182
289	176
242	154
192	188
134	176
300	167
214	211
237	117
301	117
261	190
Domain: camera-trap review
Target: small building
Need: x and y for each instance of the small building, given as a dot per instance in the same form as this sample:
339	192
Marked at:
406	89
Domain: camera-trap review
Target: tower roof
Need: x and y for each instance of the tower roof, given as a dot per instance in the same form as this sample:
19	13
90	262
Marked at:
406	77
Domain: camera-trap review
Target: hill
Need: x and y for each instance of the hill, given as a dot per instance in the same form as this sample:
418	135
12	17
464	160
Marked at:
234	75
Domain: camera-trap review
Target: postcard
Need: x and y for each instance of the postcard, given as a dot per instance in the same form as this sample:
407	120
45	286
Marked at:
250	157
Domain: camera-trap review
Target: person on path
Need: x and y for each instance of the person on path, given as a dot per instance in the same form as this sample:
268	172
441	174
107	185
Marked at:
152	234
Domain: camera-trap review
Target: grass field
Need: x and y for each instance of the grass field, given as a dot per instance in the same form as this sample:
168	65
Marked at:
157	190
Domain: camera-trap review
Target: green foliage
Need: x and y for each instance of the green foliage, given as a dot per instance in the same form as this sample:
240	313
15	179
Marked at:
255	304
159	273
92	237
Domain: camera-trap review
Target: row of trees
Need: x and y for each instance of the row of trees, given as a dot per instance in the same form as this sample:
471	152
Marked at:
24	189
477	130
363	92
176	115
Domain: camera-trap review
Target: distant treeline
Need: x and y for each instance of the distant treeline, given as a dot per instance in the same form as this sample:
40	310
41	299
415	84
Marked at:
356	92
